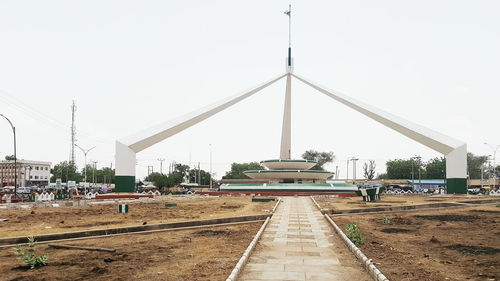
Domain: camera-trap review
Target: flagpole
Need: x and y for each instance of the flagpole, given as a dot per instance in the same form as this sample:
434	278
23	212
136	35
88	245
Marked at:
289	14
290	26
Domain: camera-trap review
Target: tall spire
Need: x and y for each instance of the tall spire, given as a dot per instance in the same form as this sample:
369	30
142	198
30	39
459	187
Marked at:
289	60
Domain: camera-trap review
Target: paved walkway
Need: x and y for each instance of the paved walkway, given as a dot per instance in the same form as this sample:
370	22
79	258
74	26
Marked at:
298	244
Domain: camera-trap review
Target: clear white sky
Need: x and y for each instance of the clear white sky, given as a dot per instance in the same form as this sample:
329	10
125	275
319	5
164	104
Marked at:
132	64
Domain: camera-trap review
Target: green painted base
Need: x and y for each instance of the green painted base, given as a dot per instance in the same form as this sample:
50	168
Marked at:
125	184
456	186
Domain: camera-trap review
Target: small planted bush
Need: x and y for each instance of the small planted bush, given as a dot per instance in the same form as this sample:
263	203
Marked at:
28	256
386	220
354	233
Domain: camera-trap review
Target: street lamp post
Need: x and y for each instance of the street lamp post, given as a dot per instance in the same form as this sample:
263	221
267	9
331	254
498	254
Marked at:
15	155
85	169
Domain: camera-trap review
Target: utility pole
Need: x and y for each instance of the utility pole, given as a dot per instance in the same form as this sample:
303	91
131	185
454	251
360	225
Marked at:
150	168
491	175
93	172
73	134
336	172
412	175
210	145
347	171
494	149
482	177
161	164
354	159
29	174
15	155
199	174
419	171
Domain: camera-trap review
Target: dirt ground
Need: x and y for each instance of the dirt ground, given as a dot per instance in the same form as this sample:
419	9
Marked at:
66	219
455	245
197	254
392	200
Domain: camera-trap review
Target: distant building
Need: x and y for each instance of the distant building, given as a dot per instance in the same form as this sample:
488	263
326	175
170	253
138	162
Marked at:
29	173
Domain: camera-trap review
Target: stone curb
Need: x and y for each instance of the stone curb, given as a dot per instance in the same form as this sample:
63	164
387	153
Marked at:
374	272
241	263
276	206
130	229
322	211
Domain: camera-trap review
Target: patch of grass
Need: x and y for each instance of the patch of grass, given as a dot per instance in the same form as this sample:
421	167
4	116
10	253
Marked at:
498	204
28	256
354	233
386	220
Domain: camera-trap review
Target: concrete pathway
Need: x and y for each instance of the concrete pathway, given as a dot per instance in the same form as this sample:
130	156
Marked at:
299	244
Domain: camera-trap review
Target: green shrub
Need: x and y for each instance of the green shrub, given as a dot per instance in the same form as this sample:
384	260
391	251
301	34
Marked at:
498	204
386	220
354	233
27	254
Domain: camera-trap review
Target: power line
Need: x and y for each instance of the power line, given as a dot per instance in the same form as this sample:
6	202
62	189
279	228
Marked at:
39	116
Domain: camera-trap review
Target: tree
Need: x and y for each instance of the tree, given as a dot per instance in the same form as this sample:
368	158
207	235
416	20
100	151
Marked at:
382	176
177	176
474	164
104	175
320	157
65	171
402	168
159	180
435	168
199	176
10	157
369	170
237	170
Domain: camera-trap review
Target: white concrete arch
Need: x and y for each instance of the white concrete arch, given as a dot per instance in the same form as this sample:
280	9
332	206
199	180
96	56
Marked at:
454	150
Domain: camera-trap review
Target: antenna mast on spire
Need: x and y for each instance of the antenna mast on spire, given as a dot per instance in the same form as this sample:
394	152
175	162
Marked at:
289	60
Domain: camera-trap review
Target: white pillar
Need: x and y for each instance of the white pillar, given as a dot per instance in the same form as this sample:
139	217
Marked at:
286	131
125	168
456	169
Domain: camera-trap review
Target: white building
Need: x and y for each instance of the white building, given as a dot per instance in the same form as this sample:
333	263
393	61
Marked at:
29	173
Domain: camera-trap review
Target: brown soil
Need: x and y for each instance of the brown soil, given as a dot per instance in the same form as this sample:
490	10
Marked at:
357	202
66	219
208	254
455	245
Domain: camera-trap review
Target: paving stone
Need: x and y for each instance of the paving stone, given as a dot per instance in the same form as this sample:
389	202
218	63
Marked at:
296	245
320	261
301	244
265	267
302	254
275	275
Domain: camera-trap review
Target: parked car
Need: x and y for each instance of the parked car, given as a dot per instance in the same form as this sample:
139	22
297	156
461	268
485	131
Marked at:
24	190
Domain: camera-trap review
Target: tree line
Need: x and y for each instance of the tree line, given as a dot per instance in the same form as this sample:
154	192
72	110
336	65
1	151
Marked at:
434	168
69	171
181	173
